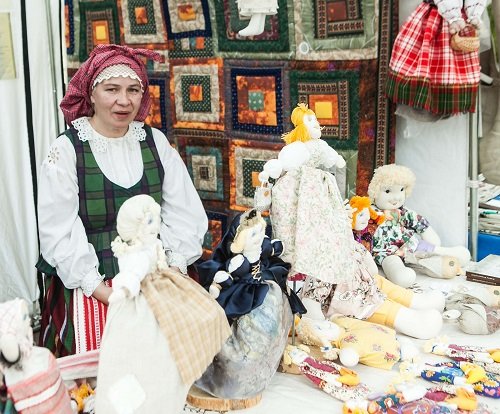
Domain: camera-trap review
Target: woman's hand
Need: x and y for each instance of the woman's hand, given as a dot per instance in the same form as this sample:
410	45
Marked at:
102	293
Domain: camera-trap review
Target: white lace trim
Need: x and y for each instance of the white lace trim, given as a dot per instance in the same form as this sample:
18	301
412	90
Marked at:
117	71
177	260
99	142
91	281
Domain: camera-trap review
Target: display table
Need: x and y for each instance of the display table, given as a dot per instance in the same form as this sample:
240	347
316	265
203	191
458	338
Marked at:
295	394
487	243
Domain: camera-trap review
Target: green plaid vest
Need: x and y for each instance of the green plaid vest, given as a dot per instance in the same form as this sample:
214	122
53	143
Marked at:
100	199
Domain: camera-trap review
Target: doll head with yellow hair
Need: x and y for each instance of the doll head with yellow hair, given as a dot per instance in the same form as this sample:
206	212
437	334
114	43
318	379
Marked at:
363	212
306	125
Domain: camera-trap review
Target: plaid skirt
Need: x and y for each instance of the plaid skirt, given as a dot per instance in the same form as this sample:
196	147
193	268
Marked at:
426	73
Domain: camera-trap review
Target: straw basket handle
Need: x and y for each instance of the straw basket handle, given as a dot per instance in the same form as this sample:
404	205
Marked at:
466	44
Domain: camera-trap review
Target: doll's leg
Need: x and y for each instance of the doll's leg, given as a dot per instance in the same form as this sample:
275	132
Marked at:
316	296
255	26
420	324
431	299
460	252
396	271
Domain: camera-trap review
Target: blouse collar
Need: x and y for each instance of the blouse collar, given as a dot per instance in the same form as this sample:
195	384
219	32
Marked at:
99	142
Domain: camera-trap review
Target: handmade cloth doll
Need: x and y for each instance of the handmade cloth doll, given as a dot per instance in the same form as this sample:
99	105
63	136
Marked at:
340	382
405	236
477	309
257	302
354	341
426	73
308	215
365	220
31	375
150	353
256	11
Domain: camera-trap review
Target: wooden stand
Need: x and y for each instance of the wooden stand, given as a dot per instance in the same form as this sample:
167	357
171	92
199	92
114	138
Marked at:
200	399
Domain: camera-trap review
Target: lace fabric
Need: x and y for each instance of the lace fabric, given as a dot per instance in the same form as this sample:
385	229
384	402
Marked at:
99	142
116	71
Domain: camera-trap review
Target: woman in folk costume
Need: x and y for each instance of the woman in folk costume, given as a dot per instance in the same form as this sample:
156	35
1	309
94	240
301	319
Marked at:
425	71
106	156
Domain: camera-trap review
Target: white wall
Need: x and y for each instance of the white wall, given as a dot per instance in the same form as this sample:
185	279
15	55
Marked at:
438	155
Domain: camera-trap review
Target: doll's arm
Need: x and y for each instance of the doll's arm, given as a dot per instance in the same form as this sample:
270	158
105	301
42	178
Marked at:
451	11
430	236
474	9
293	155
331	157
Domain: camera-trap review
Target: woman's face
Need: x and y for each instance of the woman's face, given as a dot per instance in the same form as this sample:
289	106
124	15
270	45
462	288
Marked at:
312	125
116	103
390	197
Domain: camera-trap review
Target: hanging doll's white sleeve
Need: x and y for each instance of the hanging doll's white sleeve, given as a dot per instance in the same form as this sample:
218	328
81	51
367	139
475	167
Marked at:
451	11
474	10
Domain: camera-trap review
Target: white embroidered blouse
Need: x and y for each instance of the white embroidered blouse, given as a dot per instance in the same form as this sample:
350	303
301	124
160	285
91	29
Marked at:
63	241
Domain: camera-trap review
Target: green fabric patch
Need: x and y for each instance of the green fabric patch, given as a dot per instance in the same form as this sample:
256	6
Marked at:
205	105
256	100
250	166
145	28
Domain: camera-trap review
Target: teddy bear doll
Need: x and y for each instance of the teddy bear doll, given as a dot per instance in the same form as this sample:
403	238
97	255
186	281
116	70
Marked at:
31	374
406	237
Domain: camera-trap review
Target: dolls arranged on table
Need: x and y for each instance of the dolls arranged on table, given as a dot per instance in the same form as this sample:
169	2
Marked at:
308	215
31	374
256	11
405	236
157	319
431	74
249	279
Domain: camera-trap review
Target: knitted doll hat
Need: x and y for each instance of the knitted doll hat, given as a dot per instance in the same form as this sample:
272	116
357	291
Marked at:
76	103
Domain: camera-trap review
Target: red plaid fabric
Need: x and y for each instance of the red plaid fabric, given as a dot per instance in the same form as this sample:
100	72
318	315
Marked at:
76	103
425	72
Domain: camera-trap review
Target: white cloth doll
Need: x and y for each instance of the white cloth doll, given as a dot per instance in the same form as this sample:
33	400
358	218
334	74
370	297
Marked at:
308	215
138	249
31	375
157	319
405	235
256	11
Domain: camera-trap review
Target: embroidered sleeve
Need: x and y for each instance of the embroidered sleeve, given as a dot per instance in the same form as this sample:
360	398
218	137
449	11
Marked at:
177	260
474	9
450	10
91	281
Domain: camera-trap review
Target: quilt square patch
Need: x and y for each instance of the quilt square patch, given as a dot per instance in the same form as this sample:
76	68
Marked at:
255	97
142	22
336	29
275	37
189	30
217	226
158	89
334	96
186	77
246	160
99	24
205	154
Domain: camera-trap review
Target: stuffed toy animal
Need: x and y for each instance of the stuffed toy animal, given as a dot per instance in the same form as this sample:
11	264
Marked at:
405	235
31	374
137	248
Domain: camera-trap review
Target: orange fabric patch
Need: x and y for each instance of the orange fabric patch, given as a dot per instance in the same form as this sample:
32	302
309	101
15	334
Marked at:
100	32
141	15
154	117
200	43
255	179
186	12
195	93
266	84
328	106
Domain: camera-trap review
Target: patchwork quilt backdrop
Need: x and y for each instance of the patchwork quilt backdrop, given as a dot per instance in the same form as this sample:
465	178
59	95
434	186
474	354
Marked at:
224	101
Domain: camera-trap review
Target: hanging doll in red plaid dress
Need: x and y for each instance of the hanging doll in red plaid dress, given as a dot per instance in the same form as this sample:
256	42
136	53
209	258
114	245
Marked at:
426	72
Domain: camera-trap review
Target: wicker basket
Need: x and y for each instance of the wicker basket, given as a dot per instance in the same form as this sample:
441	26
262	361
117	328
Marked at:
466	44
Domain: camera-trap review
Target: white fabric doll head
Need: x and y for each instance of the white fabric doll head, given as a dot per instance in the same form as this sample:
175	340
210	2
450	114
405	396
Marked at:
306	125
139	220
16	335
390	186
250	233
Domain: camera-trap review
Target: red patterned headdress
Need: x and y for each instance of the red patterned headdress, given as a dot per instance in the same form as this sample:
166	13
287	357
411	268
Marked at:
76	103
